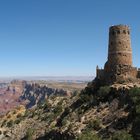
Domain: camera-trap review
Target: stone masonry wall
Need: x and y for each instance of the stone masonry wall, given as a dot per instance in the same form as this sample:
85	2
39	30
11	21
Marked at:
119	51
119	64
138	74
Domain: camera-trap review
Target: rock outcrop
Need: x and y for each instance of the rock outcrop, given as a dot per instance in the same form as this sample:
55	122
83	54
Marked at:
34	94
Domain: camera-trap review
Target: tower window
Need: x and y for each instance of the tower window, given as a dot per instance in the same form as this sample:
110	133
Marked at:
124	31
118	32
113	33
120	42
128	32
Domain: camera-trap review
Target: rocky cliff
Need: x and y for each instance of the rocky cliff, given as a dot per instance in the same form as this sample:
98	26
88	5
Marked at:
34	94
101	113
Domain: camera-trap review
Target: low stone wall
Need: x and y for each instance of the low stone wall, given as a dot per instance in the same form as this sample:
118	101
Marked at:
118	73
138	73
100	74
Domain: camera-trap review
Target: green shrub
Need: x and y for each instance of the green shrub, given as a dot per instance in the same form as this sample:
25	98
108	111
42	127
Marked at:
134	94
138	109
19	115
3	123
103	92
88	136
88	90
123	135
14	112
58	109
8	116
134	91
29	134
27	113
64	122
75	93
44	105
94	124
17	121
86	97
10	123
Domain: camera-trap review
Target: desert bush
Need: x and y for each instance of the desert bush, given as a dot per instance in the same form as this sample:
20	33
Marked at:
10	123
86	97
29	134
88	90
58	109
134	94
45	105
123	135
19	115
3	123
17	121
138	109
75	93
9	116
94	124
135	91
64	122
88	136
103	92
14	112
136	128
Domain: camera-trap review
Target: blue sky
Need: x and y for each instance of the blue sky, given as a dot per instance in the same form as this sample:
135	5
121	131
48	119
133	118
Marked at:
61	37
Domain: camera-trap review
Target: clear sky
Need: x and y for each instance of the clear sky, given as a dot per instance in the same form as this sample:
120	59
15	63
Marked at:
62	37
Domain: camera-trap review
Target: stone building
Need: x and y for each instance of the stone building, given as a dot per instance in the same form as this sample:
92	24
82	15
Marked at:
119	66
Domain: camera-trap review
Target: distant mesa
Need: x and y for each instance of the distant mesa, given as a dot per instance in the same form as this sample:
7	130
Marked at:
119	65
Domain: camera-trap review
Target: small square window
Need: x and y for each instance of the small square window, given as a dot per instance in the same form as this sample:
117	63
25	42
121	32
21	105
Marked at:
118	32
124	31
113	33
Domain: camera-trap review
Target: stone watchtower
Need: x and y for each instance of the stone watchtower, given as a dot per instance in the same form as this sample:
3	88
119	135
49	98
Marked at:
119	49
119	63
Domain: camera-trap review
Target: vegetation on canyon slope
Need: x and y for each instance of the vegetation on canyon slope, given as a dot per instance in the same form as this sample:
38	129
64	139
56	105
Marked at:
102	113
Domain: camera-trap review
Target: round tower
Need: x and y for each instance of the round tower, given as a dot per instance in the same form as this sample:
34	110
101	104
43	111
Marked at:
119	50
119	64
